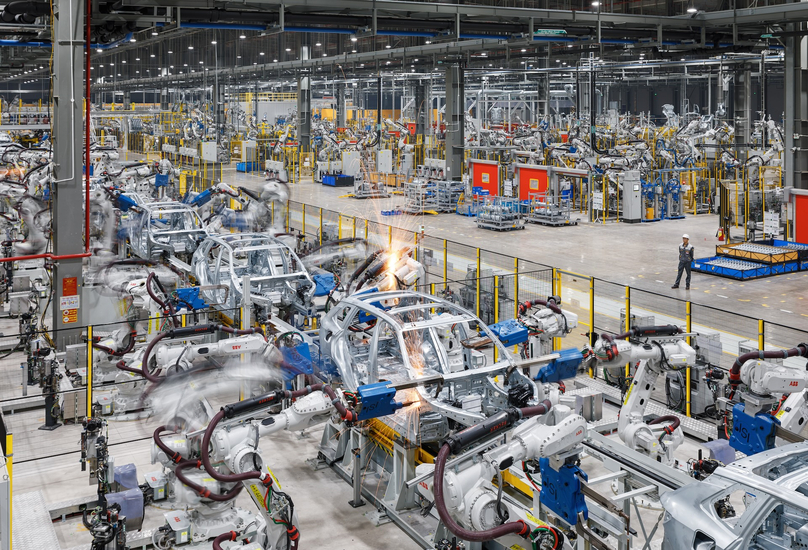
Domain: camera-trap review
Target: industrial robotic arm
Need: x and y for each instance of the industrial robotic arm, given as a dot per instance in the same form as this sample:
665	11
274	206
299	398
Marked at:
471	507
654	350
754	429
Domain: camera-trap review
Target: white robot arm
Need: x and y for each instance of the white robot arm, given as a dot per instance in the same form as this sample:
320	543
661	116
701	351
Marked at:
668	350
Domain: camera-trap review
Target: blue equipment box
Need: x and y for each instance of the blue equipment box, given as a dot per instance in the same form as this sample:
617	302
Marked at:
338	180
324	282
510	332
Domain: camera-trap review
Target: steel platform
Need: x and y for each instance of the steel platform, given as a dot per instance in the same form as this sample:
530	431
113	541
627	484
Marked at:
33	528
698	429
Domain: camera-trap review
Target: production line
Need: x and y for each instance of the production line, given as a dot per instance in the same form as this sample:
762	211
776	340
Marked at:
399	276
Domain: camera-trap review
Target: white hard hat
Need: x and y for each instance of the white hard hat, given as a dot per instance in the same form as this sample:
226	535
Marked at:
685	236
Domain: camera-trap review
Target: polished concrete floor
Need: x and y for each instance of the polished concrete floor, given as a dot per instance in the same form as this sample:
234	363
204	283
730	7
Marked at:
644	256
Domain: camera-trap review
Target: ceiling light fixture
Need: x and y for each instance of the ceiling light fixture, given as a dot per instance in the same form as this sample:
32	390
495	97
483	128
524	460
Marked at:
288	49
354	39
428	42
318	44
243	36
213	42
190	47
692	9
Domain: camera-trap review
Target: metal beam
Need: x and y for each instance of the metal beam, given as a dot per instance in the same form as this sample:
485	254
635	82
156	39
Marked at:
68	56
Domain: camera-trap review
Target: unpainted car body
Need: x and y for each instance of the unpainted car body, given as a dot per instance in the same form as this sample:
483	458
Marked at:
161	228
755	503
403	336
277	276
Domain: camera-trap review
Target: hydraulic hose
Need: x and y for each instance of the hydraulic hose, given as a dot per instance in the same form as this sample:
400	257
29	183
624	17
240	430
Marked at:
109	351
217	542
463	439
167	305
670	428
202	491
735	372
363	266
172	455
524	306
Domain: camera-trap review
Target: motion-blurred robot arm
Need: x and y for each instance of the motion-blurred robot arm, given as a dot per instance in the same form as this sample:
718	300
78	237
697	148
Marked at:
654	350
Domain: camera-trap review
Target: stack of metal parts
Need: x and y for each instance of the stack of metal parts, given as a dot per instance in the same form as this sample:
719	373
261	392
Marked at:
549	210
499	213
448	194
733	264
763	248
420	195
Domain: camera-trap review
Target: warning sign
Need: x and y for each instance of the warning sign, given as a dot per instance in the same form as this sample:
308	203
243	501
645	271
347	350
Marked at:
68	302
70	316
70	286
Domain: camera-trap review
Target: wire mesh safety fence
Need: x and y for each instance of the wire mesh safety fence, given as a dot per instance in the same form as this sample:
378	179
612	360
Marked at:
610	307
735	332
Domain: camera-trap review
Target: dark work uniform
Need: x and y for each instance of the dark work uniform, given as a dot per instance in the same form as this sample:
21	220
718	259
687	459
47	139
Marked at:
685	257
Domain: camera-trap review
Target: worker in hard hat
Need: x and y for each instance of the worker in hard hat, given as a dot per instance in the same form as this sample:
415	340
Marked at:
685	257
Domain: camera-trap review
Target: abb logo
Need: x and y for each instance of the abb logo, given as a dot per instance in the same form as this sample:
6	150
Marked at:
236	347
153	478
176	519
424	485
793	383
579	432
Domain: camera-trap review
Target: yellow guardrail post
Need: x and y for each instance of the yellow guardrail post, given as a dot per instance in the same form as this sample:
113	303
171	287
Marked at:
339	226
628	324
557	292
496	311
689	329
516	289
304	220
321	225
592	336
761	345
89	371
353	229
479	267
445	264
390	236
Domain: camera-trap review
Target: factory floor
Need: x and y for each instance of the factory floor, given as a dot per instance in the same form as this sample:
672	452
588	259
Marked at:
49	462
644	256
641	255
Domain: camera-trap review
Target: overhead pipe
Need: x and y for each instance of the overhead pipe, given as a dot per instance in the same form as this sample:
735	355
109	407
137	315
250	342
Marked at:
22	44
224	26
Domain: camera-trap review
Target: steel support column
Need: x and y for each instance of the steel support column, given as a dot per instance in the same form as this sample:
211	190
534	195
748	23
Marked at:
304	107
742	104
342	114
68	104
796	123
422	107
455	121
